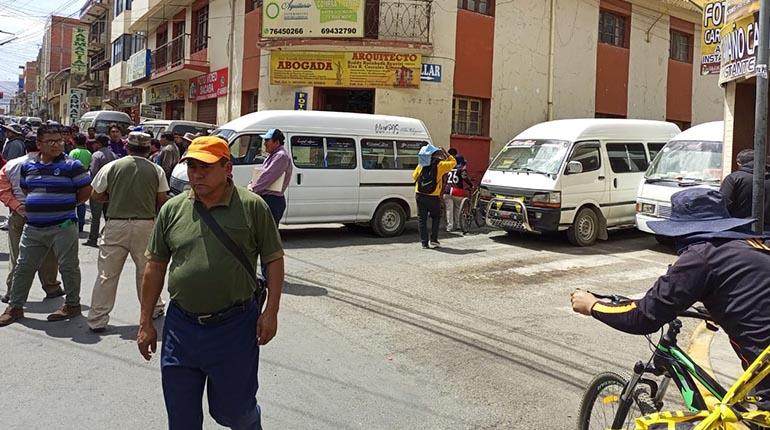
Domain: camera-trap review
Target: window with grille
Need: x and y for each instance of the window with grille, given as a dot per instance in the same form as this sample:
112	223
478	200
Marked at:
201	23
467	116
484	7
680	46
612	29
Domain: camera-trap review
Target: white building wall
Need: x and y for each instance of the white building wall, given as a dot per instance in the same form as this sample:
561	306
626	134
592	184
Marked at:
707	95
648	64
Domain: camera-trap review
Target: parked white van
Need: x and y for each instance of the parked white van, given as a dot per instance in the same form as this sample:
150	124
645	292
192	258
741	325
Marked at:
160	126
578	175
693	158
102	119
348	168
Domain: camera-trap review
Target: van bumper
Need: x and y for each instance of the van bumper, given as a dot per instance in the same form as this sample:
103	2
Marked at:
642	220
528	219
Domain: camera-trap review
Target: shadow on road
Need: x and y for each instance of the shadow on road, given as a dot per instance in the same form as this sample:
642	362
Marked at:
304	290
631	239
455	251
336	236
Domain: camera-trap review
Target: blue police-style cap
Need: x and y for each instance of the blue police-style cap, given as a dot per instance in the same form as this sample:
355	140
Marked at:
273	133
697	210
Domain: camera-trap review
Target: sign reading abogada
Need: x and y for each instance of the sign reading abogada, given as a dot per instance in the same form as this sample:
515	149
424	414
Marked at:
345	69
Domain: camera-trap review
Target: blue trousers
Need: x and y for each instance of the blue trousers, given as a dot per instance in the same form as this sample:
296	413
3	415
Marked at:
277	205
81	211
224	358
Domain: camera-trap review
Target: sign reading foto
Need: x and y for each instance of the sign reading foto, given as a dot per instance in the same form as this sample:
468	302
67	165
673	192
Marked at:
313	18
714	14
209	86
356	69
79	57
739	40
300	100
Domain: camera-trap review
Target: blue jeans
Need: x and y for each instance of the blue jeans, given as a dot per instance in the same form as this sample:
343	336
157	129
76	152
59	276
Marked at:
277	205
81	210
223	357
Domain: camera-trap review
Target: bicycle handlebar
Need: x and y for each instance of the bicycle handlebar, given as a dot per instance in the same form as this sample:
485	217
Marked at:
696	312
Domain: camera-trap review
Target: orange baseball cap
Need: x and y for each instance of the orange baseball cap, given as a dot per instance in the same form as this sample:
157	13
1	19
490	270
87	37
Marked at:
208	149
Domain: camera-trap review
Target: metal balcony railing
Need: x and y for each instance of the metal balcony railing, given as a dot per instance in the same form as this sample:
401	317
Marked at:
405	20
171	54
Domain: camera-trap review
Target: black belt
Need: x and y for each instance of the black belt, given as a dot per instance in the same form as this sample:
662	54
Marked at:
216	317
130	219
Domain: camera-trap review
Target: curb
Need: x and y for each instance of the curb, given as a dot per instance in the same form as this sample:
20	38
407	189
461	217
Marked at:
700	351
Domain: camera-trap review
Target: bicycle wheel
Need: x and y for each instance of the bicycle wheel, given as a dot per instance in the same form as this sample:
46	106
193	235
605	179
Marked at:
478	216
601	404
466	215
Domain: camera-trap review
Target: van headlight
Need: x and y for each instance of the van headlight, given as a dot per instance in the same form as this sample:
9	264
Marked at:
547	200
645	208
484	194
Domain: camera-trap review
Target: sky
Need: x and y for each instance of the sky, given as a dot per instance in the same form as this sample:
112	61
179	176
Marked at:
26	19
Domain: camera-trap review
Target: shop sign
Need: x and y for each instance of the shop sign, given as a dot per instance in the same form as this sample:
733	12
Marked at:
209	86
150	111
739	40
714	14
300	100
166	92
77	100
139	65
94	101
129	98
313	19
430	73
79	57
358	69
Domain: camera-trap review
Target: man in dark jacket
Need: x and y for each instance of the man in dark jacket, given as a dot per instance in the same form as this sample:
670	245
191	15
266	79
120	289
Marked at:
721	265
737	187
15	147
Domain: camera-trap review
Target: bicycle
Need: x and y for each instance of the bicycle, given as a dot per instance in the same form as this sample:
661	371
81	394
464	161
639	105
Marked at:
609	390
470	212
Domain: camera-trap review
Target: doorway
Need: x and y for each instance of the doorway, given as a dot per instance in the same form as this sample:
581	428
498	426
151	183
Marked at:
344	100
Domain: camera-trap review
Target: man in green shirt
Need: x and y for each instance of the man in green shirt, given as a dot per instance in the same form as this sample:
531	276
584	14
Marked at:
214	325
82	154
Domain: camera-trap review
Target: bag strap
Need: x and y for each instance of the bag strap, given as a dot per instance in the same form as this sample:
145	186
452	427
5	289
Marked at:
226	240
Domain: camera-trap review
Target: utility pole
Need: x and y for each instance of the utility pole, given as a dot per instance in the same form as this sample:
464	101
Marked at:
760	119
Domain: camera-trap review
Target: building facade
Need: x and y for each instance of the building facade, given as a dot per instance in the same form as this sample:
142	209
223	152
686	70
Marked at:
475	72
54	60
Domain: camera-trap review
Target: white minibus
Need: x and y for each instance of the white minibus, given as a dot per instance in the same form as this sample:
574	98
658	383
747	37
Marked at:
693	158
102	119
578	175
348	168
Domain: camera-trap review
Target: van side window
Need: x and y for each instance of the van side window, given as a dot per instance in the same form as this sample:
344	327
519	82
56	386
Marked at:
654	147
246	149
308	151
340	153
588	155
627	157
378	154
406	153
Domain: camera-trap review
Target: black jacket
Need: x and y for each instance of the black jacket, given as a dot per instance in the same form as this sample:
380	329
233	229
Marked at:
736	188
730	277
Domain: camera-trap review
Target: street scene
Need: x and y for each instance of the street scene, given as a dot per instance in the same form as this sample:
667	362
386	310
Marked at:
419	214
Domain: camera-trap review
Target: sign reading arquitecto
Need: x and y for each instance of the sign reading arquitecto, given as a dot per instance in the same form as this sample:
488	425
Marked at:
739	40
79	56
208	86
430	73
313	18
139	65
300	100
714	14
356	69
76	101
166	92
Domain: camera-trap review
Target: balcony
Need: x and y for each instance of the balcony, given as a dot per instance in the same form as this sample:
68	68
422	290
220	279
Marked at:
93	9
174	58
398	20
97	42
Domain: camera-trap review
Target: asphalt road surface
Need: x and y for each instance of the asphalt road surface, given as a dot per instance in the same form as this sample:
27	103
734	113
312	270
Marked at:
373	334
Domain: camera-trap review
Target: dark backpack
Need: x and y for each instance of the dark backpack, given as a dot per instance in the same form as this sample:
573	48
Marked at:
428	179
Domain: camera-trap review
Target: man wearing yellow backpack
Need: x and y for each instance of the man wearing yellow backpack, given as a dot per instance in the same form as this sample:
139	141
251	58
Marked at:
433	164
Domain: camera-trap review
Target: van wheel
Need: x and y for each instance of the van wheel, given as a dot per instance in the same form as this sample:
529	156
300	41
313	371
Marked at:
585	228
389	220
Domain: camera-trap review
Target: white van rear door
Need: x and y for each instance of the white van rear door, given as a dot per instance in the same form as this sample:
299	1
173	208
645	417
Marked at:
589	186
325	183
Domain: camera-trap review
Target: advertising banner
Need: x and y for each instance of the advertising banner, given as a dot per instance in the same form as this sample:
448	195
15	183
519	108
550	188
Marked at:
76	101
313	18
166	92
345	69
79	63
209	86
739	40
710	51
139	65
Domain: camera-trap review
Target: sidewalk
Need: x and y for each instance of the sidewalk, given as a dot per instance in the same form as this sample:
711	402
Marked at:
724	362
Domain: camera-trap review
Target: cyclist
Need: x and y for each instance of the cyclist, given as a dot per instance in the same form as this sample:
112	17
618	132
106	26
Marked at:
458	181
721	264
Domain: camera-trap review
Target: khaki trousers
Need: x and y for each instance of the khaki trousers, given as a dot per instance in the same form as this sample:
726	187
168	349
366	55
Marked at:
48	268
119	239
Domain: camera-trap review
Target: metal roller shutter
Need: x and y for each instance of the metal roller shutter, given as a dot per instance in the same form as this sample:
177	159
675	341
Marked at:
207	111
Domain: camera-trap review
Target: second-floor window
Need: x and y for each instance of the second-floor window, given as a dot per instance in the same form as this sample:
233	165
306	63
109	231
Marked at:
200	29
680	46
480	6
126	45
612	29
467	116
122	5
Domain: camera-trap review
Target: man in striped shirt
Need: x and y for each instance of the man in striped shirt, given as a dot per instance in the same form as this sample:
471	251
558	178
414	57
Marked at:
54	184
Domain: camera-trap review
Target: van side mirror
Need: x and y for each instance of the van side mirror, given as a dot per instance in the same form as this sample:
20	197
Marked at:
574	167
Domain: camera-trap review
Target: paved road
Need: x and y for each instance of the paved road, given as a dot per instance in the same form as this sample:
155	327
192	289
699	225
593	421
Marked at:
374	333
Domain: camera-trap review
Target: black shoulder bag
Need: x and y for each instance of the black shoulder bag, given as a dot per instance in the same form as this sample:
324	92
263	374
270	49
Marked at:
234	249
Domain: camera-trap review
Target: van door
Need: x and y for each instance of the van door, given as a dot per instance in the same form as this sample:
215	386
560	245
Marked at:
588	186
325	183
628	162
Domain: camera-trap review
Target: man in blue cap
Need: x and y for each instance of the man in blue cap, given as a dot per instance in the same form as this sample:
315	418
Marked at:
276	174
721	264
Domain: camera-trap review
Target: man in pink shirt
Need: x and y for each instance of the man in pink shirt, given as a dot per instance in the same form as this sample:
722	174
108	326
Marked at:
278	163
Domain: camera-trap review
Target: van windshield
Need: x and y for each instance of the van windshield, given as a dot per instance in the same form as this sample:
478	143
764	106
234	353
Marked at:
539	156
103	126
687	161
223	133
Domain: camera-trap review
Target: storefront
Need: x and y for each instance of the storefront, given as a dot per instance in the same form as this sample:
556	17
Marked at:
205	91
168	97
127	101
